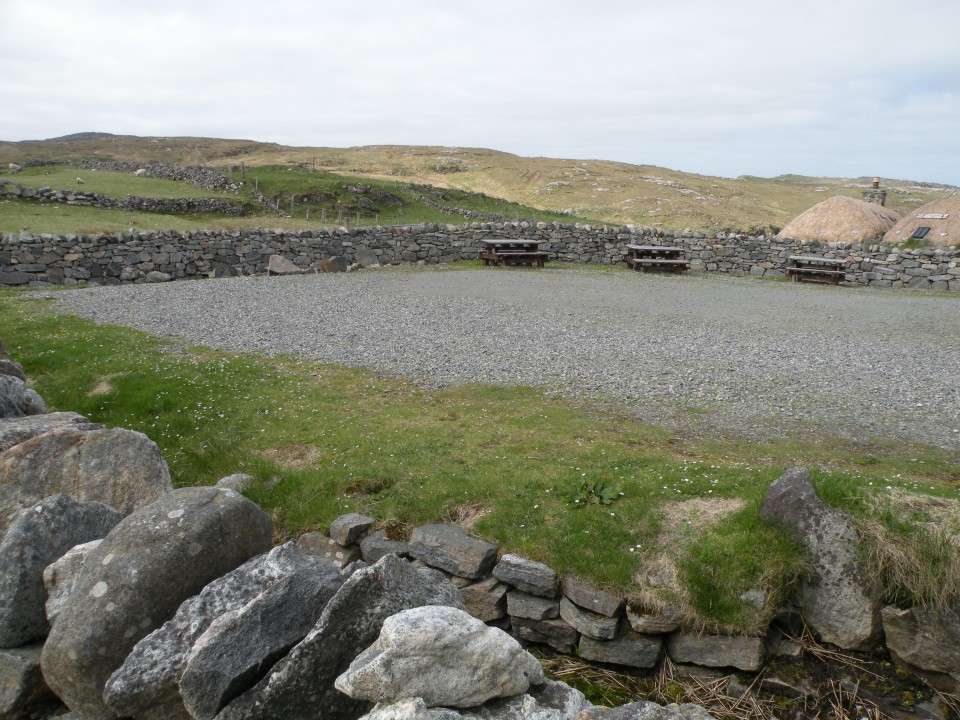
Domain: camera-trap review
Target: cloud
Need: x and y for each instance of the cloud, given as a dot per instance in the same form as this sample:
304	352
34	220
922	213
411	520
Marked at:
825	86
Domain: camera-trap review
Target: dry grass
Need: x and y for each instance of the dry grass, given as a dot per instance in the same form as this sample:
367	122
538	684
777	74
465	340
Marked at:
658	585
467	515
294	457
103	387
841	219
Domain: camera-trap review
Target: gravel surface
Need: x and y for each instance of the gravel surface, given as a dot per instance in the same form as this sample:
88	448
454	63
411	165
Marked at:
708	354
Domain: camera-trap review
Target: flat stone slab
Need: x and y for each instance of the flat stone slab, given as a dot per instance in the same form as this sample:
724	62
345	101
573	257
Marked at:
527	576
532	607
555	633
741	652
591	624
665	621
627	648
590	597
450	548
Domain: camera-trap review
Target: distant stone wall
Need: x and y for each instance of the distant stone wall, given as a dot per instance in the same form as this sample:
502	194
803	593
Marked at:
192	174
130	202
130	256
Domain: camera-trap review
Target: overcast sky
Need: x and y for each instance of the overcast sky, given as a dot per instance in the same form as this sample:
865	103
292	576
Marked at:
746	87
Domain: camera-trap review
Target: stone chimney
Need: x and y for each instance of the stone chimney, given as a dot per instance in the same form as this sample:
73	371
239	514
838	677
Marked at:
876	195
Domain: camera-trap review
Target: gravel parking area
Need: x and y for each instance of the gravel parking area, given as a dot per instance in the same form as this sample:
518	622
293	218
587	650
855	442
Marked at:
709	354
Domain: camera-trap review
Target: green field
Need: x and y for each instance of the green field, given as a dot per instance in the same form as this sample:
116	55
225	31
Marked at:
585	489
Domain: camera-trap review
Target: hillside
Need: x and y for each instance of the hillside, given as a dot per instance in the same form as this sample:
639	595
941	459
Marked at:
597	190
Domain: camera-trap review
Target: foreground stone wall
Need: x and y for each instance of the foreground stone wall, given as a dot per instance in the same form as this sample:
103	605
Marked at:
130	256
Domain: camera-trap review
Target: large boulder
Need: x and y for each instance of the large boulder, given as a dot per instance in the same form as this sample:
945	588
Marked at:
9	367
38	537
926	642
136	579
121	468
14	431
840	601
146	685
17	400
303	680
442	655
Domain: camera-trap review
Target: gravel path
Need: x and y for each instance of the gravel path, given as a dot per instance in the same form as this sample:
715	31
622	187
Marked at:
710	354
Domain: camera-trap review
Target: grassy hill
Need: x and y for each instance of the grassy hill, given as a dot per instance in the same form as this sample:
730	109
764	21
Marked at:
591	190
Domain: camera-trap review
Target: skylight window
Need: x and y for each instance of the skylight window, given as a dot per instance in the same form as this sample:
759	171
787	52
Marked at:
920	232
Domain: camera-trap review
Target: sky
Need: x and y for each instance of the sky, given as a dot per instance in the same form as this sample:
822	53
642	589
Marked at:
835	88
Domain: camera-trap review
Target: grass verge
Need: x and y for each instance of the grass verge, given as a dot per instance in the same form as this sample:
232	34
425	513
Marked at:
592	492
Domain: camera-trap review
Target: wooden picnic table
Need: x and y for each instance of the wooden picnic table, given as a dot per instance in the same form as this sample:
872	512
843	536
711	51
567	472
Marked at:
656	257
503	251
816	269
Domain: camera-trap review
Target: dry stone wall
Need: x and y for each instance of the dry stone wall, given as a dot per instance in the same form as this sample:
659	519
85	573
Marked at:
131	256
129	202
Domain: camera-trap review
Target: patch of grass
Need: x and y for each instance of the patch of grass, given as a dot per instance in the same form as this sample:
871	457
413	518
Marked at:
324	440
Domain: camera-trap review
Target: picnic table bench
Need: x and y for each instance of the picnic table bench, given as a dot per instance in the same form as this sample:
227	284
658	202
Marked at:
816	269
513	252
656	257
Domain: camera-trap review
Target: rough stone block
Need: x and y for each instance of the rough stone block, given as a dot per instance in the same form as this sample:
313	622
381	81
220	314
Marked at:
591	624
555	633
528	576
319	545
350	529
376	545
590	597
532	607
627	648
450	548
485	600
741	652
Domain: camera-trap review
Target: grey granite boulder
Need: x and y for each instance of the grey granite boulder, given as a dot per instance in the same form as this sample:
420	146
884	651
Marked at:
121	468
366	258
303	681
240	646
146	684
14	431
527	576
450	548
442	655
39	536
23	693
550	700
136	579
840	602
60	576
279	265
17	400
926	642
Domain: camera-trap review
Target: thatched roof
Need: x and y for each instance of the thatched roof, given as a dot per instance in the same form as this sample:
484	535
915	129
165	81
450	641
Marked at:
944	231
841	219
